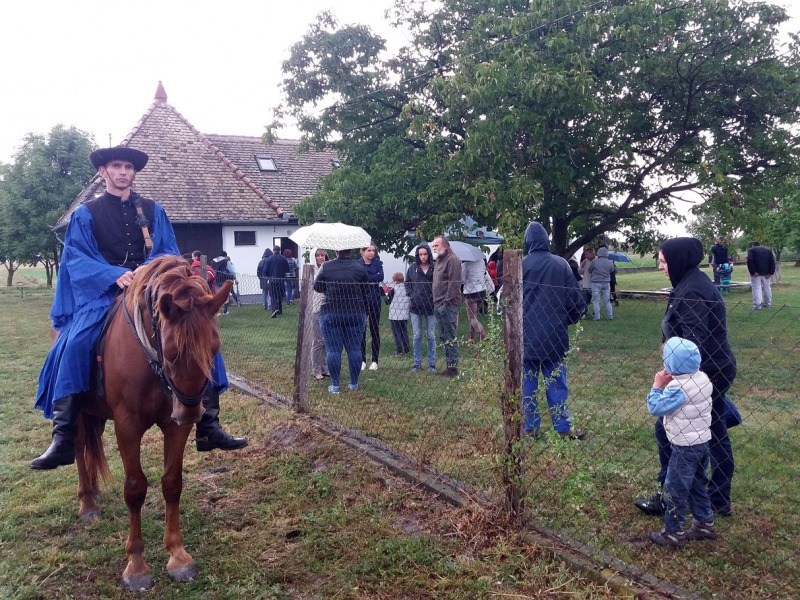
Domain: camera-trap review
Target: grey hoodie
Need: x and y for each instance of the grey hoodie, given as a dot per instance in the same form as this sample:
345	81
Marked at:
602	267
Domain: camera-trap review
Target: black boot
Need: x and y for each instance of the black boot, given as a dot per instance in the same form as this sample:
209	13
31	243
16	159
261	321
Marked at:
62	448
210	435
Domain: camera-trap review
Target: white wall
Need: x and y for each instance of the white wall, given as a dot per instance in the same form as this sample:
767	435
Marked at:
246	258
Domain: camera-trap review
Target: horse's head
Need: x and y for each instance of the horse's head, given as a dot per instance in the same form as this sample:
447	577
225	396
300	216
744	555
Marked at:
186	312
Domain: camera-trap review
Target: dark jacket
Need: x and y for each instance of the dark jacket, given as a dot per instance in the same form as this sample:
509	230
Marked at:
719	254
447	280
261	272
375	278
419	284
276	266
551	299
695	310
344	283
760	260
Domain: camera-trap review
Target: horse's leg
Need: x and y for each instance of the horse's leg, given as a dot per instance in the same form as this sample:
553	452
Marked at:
88	488
181	565
129	439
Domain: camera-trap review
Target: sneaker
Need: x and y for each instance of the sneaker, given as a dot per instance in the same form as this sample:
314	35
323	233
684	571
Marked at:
575	434
675	539
363	366
701	531
275	314
415	368
352	386
450	372
652	506
723	511
432	368
372	367
333	389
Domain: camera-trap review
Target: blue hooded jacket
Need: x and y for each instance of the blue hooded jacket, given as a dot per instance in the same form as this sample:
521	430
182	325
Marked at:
551	299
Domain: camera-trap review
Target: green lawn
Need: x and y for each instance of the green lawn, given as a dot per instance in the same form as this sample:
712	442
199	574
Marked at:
584	489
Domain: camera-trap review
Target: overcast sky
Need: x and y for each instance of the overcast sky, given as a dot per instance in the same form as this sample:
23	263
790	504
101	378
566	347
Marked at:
96	64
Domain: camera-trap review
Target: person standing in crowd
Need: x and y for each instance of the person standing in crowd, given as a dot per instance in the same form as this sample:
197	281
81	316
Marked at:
761	266
343	282
210	276
276	269
419	288
600	271
290	283
447	299
374	268
719	257
225	271
399	305
263	278
474	294
318	357
551	302
586	277
697	312
103	247
681	398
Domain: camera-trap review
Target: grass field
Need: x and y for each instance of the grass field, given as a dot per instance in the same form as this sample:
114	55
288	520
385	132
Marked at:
586	489
583	489
294	515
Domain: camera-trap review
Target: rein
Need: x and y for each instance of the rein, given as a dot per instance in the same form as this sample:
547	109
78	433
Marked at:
155	354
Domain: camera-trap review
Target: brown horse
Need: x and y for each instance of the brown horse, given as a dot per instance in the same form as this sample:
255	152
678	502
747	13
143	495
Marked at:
160	346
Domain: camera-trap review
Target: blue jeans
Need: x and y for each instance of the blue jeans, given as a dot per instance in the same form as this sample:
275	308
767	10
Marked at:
265	297
430	333
555	375
687	480
602	290
290	286
722	465
446	316
342	330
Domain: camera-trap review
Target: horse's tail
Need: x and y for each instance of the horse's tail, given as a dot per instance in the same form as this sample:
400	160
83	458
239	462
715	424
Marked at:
94	455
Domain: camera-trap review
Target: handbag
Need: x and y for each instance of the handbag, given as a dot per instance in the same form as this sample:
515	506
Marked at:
731	413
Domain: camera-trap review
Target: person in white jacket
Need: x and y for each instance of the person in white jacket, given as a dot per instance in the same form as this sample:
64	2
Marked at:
681	394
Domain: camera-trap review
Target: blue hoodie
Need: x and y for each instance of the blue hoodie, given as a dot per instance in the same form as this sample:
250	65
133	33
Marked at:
551	299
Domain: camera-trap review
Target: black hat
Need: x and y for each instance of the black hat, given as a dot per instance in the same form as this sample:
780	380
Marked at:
103	156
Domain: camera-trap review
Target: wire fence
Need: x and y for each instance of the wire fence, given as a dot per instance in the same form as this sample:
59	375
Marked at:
584	488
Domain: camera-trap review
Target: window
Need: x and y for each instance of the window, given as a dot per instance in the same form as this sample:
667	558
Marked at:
244	238
266	163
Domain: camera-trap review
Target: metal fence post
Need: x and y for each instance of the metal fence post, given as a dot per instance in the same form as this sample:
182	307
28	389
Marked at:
302	361
511	401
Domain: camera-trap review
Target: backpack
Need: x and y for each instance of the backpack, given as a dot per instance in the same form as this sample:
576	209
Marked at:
221	267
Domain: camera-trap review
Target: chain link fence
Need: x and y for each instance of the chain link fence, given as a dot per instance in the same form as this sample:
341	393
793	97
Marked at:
583	488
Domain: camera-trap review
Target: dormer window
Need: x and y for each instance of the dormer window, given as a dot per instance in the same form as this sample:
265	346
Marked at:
266	163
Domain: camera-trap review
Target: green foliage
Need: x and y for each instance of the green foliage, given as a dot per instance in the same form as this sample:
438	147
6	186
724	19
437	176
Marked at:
47	174
590	120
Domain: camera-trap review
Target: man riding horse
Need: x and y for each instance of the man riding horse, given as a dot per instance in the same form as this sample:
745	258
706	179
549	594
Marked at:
108	238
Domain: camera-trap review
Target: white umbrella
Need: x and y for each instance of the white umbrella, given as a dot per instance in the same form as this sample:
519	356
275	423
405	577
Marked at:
331	236
465	252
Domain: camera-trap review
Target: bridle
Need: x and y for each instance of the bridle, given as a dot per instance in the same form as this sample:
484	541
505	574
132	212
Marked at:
155	352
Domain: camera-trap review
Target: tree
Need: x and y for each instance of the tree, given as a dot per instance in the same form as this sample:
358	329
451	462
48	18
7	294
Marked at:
48	172
590	120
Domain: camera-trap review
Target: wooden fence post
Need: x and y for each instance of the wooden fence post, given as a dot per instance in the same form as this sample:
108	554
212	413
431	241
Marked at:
511	402
302	360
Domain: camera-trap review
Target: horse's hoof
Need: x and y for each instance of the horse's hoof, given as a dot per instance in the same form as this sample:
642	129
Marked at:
185	573
90	516
137	583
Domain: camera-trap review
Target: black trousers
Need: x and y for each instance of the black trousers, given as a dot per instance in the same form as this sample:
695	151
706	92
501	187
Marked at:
276	294
374	325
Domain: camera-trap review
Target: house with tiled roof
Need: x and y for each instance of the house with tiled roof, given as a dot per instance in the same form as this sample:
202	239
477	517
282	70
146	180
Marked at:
221	192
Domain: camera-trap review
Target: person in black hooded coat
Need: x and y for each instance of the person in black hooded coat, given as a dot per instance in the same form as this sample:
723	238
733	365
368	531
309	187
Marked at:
697	312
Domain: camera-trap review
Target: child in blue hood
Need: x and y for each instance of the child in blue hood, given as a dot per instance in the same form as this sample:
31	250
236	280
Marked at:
681	394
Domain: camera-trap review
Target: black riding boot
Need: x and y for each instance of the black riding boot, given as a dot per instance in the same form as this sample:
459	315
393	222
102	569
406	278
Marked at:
62	448
210	435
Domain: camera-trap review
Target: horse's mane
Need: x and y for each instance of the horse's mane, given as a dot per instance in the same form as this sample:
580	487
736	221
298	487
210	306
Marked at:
192	329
